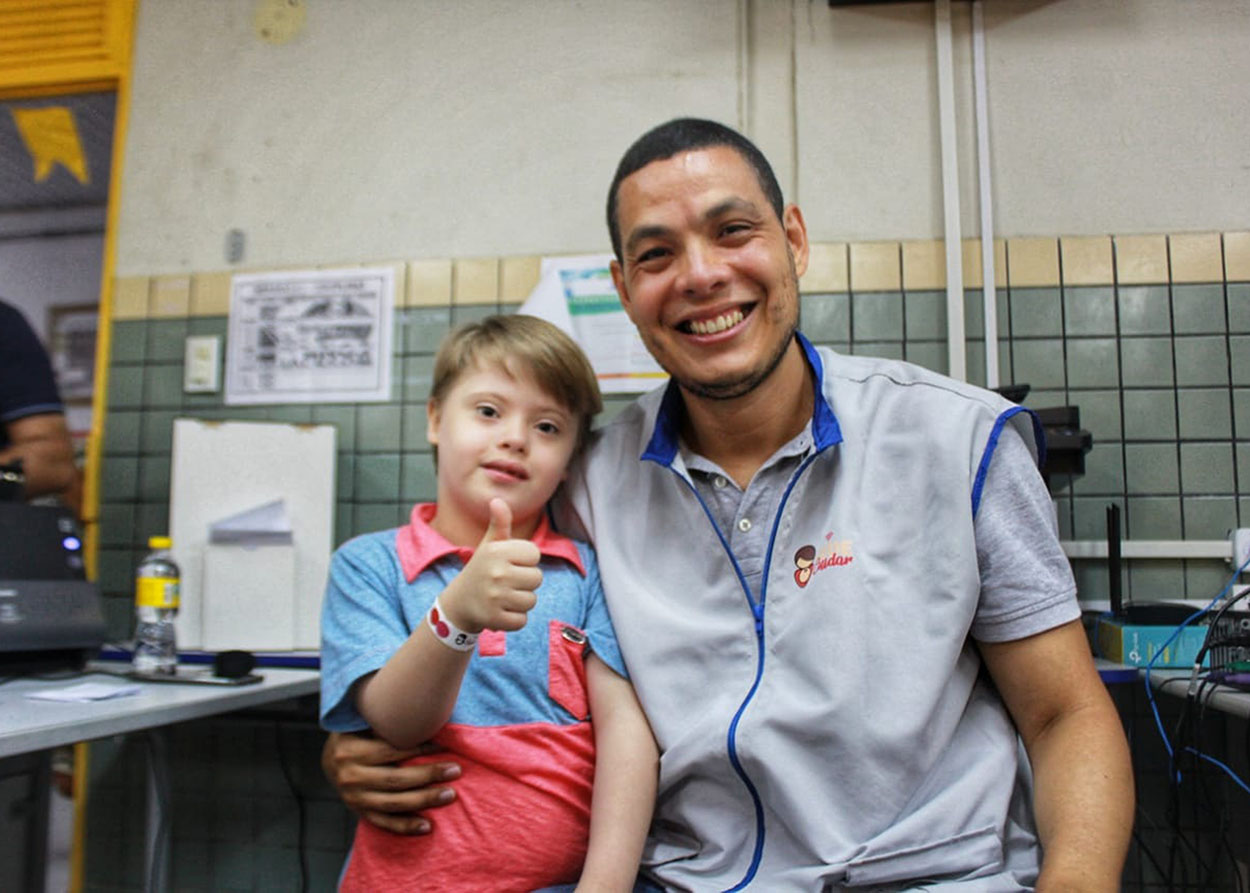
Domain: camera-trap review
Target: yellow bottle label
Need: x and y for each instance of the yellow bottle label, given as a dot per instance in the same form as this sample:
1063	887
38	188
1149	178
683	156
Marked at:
156	592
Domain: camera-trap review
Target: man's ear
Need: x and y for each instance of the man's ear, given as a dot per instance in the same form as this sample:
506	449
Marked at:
431	421
796	236
618	279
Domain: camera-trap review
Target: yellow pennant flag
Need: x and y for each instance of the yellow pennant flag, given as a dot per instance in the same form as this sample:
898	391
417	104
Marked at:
51	137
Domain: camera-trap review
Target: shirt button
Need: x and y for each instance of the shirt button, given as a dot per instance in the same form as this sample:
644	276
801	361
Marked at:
719	482
744	525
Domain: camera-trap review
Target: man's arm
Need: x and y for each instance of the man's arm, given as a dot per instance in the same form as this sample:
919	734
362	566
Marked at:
368	775
1083	777
42	443
626	773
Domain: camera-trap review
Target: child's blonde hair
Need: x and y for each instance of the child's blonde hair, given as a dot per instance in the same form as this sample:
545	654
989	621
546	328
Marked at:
522	345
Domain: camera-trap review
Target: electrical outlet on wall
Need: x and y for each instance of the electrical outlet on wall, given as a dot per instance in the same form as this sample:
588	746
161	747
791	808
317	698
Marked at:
201	364
1239	539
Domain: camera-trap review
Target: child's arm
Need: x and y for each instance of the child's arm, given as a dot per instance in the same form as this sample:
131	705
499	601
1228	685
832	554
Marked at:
412	695
626	770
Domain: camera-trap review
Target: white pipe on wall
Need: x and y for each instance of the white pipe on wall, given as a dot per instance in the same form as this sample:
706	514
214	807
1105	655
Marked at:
1138	549
950	194
744	67
989	297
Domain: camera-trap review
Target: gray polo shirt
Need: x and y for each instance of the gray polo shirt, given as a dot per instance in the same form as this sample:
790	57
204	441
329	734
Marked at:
803	648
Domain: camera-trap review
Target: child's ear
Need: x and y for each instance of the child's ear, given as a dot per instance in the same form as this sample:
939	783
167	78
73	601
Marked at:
431	422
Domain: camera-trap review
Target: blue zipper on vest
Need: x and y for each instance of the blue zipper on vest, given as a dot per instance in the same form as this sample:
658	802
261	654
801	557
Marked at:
759	672
757	611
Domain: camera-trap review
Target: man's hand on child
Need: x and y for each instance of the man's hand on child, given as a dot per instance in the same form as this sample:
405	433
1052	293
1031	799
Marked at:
496	588
376	782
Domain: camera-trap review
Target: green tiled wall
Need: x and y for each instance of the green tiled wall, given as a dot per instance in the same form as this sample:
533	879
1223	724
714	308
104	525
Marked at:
1161	375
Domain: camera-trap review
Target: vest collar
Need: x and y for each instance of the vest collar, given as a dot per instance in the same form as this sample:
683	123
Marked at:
662	448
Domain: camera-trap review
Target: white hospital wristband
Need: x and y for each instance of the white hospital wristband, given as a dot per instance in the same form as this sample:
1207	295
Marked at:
447	632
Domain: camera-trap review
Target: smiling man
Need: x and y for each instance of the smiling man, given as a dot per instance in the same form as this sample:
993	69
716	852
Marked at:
810	559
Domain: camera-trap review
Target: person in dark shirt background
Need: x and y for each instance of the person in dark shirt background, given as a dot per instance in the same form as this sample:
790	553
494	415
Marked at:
32	418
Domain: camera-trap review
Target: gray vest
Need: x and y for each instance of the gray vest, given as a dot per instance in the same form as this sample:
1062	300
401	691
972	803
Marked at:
832	729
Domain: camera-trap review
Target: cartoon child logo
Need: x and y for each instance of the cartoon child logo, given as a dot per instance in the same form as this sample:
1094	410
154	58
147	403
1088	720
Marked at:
803	561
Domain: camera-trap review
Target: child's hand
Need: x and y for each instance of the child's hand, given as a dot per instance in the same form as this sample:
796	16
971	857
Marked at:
496	588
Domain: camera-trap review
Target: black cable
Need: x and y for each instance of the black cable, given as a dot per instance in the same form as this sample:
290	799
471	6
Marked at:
1221	814
1195	769
1178	730
1215	621
1187	726
1200	792
1156	827
1185	853
301	840
1188	747
1145	850
160	786
1246	744
1175	856
1181	851
1175	680
1172	866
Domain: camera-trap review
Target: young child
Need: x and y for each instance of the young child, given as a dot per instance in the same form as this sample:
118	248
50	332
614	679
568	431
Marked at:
479	627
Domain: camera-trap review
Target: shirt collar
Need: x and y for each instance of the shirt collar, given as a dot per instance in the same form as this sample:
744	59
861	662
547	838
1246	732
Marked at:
420	545
663	446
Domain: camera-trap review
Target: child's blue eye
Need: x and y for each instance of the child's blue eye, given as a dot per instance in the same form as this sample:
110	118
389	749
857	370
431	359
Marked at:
548	428
488	411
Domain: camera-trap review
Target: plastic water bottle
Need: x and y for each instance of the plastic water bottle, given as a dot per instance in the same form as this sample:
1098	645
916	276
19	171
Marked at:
157	583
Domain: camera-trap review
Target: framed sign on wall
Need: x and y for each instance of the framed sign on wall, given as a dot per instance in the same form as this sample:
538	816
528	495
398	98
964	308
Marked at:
71	341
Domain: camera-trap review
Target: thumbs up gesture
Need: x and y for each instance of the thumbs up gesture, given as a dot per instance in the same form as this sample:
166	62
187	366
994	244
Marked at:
496	588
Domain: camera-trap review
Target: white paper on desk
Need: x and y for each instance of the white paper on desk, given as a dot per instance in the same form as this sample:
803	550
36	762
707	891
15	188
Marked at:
85	691
267	524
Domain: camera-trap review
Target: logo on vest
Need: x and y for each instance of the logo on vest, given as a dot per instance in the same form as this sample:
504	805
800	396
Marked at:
808	559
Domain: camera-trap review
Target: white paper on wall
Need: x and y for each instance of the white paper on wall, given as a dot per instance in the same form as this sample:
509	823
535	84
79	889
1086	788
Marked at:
310	336
576	294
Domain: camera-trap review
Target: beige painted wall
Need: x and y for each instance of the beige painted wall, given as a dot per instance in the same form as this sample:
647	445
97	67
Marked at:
1106	116
420	128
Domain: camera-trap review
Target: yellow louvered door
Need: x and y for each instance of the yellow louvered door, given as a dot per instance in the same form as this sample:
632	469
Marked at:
52	46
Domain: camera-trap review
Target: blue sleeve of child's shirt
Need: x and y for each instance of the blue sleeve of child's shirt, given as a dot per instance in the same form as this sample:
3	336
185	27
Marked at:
598	624
362	623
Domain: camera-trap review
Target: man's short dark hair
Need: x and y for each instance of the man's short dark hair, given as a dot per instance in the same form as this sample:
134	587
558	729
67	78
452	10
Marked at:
683	135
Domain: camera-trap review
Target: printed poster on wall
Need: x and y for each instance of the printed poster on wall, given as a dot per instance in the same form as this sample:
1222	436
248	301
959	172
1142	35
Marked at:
577	294
315	336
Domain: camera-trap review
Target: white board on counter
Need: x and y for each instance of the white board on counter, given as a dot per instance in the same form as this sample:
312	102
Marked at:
220	469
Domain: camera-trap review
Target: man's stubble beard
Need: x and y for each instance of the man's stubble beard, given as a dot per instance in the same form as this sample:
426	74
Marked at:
731	389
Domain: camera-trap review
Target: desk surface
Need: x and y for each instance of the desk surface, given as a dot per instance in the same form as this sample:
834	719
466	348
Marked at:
28	725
